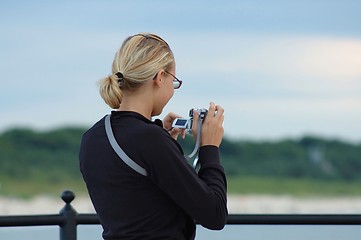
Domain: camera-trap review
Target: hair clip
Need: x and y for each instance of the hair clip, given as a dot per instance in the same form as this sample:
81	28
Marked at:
120	76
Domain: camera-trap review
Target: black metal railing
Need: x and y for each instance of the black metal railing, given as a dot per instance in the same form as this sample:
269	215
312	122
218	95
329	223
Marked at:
68	219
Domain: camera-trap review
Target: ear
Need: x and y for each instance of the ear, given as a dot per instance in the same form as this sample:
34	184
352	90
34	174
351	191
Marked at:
158	77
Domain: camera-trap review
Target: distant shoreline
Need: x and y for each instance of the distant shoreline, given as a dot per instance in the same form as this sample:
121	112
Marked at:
241	204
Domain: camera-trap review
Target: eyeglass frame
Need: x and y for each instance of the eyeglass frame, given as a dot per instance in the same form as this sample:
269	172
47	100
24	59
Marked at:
176	81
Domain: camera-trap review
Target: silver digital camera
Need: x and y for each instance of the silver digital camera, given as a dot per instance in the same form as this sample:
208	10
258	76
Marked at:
187	123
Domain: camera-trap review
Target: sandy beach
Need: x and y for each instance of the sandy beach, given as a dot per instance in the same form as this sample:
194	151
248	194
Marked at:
266	204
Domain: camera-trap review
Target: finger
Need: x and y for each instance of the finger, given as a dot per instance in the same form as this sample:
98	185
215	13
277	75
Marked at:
219	111
183	133
195	116
212	109
221	120
174	116
171	116
174	133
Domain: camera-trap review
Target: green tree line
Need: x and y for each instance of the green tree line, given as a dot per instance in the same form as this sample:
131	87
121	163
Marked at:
308	157
52	157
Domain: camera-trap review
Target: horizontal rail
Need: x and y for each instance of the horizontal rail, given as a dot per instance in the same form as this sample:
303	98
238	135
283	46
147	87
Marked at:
68	219
31	220
233	219
88	219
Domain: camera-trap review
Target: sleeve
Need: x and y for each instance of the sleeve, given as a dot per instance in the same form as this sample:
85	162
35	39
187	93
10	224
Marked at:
204	195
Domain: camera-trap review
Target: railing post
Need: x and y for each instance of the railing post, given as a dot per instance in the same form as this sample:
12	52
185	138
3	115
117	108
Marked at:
69	226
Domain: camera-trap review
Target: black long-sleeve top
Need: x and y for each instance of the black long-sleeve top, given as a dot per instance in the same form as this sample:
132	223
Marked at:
166	203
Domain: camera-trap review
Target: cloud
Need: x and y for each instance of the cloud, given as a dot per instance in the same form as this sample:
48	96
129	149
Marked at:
277	118
332	58
303	65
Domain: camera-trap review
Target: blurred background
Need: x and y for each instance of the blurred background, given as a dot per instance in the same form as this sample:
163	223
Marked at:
288	74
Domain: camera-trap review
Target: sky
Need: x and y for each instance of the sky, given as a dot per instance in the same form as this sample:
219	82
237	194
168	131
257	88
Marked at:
281	69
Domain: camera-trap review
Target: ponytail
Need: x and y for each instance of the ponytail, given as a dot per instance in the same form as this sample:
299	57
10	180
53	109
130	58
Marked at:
110	91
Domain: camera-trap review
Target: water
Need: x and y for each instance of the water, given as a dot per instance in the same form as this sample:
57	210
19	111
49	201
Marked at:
230	232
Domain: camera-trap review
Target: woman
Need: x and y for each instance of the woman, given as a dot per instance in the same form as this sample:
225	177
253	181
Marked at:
166	201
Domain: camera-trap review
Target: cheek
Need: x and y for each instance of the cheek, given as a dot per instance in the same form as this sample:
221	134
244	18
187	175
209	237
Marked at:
168	90
171	93
167	96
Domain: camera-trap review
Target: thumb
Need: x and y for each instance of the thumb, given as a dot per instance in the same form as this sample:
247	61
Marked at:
175	132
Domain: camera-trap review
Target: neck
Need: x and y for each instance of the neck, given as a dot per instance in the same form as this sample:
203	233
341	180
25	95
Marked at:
137	101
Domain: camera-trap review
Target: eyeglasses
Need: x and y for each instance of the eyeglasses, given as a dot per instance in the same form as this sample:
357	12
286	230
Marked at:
177	83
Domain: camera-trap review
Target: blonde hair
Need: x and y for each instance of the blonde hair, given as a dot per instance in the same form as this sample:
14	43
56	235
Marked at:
138	60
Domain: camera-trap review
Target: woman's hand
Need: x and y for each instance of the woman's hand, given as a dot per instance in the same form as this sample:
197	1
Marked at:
212	126
167	124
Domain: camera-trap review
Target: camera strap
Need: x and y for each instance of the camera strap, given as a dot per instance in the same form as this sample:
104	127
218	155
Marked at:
119	151
196	145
